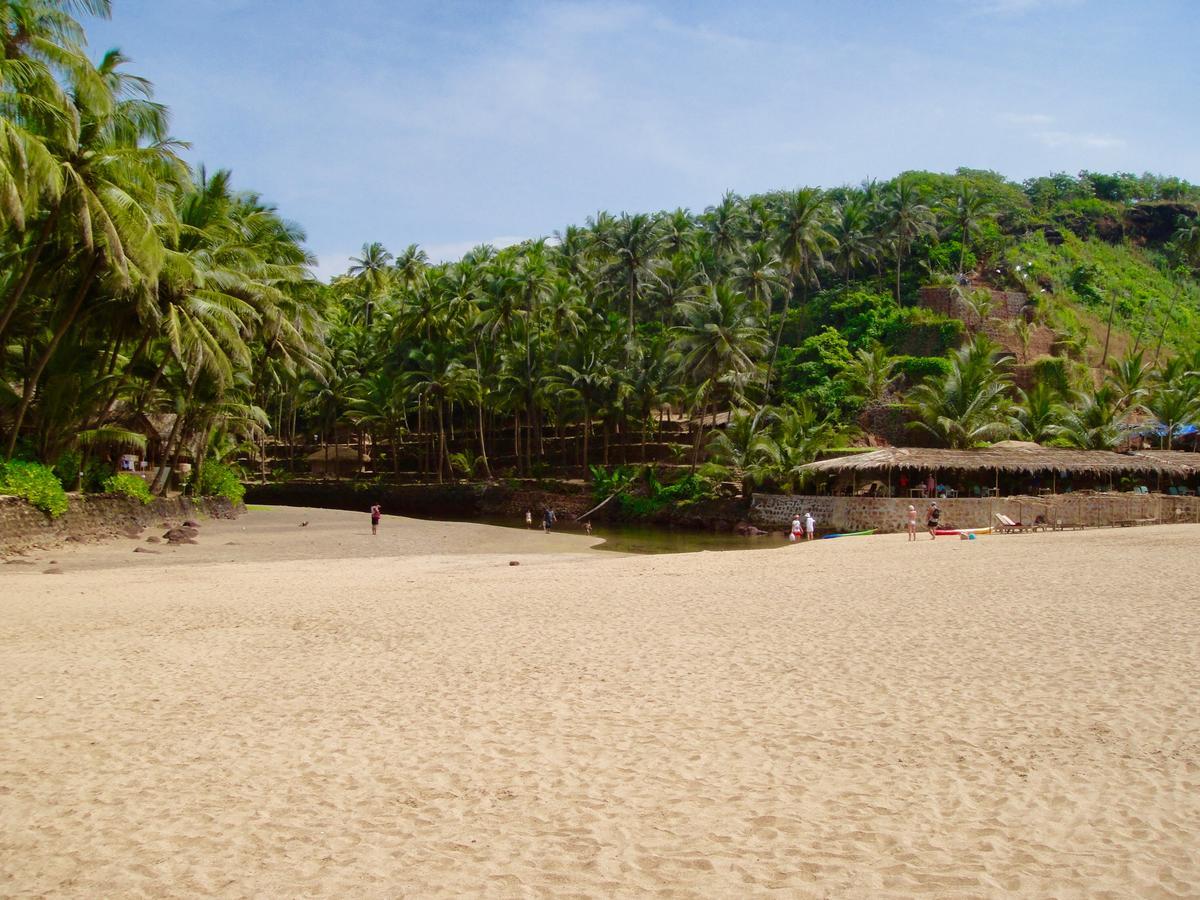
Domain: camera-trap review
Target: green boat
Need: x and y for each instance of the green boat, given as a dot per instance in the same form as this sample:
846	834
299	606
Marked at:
848	534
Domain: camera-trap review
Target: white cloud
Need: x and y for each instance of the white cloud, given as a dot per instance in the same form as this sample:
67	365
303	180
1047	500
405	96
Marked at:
1035	125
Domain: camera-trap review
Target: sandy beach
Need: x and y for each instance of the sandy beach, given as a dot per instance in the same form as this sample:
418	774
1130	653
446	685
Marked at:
310	711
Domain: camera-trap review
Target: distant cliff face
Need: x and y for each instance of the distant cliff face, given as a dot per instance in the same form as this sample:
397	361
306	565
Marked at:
1152	222
1156	221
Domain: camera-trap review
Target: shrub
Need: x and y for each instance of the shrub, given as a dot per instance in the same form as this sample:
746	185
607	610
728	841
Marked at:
129	485
36	484
916	369
944	257
919	331
67	469
1052	371
219	480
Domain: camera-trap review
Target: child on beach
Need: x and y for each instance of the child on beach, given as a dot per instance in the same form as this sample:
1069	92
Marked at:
795	533
376	515
810	525
529	518
912	523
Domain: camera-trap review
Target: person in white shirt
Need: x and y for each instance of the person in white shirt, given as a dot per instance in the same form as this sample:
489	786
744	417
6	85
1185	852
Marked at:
795	535
809	524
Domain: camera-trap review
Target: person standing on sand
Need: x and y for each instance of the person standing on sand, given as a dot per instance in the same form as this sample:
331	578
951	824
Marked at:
529	518
933	516
376	515
912	523
810	525
796	529
547	520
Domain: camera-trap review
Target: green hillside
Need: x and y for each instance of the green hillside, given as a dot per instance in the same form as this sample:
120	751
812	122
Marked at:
152	308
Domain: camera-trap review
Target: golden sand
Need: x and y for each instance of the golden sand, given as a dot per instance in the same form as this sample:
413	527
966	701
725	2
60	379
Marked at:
286	711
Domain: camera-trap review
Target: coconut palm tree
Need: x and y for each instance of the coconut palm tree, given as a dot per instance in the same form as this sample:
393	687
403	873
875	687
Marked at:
1038	413
113	161
850	229
966	209
872	373
719	346
907	220
1130	379
802	241
743	451
969	406
632	244
799	434
1092	421
1173	405
758	274
372	272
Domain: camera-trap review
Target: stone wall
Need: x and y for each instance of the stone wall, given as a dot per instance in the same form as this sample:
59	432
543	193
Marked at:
93	517
888	513
947	301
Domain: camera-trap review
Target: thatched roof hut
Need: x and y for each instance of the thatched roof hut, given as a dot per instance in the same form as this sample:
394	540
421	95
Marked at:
341	458
1012	457
1181	458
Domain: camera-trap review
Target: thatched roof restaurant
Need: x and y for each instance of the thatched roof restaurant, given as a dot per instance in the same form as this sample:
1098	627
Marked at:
1010	457
1182	458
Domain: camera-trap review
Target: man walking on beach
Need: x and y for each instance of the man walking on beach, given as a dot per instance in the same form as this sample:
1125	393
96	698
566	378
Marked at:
810	525
933	517
376	515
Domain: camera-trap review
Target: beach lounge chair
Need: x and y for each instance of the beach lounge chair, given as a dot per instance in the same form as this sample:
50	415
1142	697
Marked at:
1008	526
1060	525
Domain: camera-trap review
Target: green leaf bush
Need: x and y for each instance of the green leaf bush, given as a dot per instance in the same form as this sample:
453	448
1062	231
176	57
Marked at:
220	480
129	485
35	483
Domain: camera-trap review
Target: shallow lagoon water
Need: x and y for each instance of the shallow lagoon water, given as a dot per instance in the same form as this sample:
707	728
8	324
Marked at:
621	538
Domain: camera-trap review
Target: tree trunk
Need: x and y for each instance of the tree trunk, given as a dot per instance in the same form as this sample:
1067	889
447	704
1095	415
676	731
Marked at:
787	299
487	470
1162	331
32	381
699	438
160	477
517	439
587	430
441	440
19	288
1112	308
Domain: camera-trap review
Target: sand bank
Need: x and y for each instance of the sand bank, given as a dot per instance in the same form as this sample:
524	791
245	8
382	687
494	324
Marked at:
305	711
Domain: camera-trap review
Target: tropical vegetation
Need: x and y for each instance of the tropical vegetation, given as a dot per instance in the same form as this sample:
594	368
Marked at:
150	306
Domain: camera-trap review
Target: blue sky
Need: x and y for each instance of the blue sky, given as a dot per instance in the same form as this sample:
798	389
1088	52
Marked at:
454	123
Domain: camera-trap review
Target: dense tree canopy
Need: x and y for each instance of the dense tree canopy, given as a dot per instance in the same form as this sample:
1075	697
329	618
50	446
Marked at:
146	305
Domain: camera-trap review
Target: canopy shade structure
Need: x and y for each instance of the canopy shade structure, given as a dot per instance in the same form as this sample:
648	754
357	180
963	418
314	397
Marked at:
1007	456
